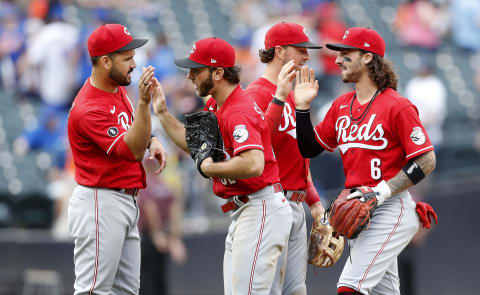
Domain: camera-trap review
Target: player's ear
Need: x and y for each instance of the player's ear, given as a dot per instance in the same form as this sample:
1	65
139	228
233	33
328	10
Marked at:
106	62
280	52
218	74
367	57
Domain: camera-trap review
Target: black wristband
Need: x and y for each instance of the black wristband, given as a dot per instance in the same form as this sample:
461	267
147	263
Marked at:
414	172
278	101
151	136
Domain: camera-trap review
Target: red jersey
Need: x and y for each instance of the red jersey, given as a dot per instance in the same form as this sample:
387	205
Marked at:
96	123
243	127
378	146
292	166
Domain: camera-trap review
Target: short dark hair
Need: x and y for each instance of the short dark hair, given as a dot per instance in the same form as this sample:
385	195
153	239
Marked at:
232	74
266	55
95	59
380	70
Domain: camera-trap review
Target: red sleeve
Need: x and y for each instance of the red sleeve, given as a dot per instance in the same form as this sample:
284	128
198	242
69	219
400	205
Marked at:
409	129
273	117
325	133
244	131
101	128
123	151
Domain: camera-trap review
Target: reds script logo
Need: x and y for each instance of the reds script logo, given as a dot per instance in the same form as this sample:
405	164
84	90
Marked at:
351	135
287	120
123	120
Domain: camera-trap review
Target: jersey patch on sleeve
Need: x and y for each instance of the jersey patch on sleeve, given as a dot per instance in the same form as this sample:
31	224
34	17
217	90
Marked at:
417	136
240	134
112	131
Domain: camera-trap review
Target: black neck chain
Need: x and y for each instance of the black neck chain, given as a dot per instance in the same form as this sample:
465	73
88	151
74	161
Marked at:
364	113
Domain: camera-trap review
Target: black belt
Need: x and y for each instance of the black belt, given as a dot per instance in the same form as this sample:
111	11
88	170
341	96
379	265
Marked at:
129	191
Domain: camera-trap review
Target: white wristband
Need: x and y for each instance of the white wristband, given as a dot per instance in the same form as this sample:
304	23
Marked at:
382	191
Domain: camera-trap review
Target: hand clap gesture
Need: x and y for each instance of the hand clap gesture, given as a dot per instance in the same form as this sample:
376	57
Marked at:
306	88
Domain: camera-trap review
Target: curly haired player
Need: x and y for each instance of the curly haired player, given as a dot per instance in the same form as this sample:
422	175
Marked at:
384	149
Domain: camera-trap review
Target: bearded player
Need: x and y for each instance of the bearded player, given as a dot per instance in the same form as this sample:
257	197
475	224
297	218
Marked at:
383	146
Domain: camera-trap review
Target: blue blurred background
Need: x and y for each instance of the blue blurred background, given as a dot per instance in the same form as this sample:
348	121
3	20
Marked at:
434	45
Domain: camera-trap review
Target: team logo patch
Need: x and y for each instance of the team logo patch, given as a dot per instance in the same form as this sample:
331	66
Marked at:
240	133
193	49
417	136
112	131
365	44
346	34
125	30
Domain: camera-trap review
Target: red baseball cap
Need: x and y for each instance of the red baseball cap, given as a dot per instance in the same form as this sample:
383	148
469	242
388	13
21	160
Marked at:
109	38
212	52
288	34
361	38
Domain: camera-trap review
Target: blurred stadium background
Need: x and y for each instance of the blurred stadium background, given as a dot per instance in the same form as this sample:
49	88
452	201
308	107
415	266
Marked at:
434	45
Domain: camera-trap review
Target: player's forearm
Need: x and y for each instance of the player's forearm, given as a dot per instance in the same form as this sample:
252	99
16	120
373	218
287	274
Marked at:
273	115
245	165
138	135
401	181
174	129
307	144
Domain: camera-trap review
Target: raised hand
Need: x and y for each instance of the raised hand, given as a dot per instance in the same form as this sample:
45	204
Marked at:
306	88
145	84
284	82
159	101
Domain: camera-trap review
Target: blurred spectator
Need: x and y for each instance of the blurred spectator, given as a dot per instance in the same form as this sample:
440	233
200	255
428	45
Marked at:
49	135
466	23
160	229
52	57
421	23
12	40
428	93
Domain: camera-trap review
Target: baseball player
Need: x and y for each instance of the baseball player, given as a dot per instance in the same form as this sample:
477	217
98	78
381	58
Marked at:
107	147
248	178
286	52
383	145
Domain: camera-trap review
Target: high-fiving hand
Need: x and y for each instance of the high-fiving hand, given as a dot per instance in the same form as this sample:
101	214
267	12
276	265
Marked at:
284	80
306	88
146	84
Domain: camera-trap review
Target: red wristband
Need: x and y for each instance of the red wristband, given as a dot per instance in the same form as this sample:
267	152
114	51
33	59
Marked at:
312	194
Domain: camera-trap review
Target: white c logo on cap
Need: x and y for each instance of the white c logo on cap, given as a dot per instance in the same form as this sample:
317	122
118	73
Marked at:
305	32
126	31
346	34
193	49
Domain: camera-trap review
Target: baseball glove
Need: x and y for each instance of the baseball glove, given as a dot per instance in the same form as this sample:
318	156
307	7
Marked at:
203	138
351	216
324	245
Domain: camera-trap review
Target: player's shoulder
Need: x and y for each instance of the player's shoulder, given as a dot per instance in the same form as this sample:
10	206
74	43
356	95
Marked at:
260	86
88	101
343	99
394	99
